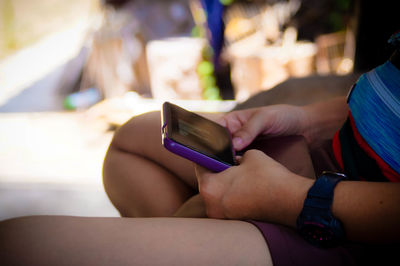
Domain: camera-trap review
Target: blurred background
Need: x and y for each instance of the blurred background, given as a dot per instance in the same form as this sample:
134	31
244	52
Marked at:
72	71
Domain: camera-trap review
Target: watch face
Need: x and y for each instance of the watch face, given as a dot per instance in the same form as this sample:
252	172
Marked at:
316	222
317	234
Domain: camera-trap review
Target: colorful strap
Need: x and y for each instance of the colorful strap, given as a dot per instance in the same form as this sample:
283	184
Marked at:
368	145
356	157
375	107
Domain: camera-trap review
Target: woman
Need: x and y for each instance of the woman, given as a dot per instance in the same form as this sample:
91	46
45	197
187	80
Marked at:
259	204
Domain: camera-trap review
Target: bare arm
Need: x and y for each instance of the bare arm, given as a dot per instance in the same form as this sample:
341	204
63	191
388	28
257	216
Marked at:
262	189
323	119
370	211
316	122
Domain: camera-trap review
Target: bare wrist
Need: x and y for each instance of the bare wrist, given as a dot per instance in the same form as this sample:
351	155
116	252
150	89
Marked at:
288	201
307	123
323	119
299	189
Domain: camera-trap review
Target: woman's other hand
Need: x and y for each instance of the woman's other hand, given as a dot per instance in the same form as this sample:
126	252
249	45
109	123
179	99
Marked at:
274	120
259	188
316	122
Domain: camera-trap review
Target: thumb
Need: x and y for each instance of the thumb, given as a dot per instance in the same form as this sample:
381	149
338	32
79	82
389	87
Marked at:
249	131
202	174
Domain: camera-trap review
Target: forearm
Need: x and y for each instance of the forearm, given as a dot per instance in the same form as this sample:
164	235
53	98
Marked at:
369	211
324	119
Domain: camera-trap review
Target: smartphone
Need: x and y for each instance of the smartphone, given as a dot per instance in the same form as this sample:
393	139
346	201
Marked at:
196	138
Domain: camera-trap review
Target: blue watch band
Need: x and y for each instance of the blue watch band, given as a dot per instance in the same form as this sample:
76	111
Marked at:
321	193
316	222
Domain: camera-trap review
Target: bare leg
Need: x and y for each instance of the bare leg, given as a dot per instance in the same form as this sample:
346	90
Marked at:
140	176
45	240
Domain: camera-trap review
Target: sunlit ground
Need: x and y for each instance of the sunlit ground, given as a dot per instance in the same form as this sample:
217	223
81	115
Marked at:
30	64
50	162
39	36
51	159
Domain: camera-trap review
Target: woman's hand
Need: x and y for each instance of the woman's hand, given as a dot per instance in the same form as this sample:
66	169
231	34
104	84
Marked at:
317	122
259	188
274	120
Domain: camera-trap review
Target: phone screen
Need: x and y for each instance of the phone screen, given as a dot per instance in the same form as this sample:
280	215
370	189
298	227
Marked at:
200	134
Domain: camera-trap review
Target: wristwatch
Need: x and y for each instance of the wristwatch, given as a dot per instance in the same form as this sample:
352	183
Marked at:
316	222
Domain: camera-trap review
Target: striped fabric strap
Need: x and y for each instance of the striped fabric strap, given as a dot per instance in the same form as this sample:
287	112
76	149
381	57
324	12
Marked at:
357	159
368	144
385	168
383	92
375	106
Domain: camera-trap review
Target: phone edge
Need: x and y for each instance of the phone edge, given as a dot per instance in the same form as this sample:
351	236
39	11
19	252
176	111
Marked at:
189	154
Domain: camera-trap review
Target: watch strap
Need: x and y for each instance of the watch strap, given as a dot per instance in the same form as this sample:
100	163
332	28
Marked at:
316	222
320	195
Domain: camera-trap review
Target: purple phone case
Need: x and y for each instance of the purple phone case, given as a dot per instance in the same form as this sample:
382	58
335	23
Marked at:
192	155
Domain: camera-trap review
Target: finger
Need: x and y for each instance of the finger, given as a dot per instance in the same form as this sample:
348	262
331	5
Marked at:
238	159
257	156
231	122
201	173
222	121
253	155
199	170
250	130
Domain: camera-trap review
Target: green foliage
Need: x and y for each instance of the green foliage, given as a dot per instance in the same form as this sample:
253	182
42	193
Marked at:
205	68
198	32
337	18
226	2
211	93
208	81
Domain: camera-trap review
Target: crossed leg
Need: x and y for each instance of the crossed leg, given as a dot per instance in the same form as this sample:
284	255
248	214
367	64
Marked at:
142	178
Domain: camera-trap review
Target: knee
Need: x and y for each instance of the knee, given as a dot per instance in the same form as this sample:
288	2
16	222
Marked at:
12	229
18	236
141	137
133	137
38	240
8	226
136	130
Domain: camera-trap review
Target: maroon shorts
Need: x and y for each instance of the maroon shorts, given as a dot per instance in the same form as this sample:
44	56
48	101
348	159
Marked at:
287	248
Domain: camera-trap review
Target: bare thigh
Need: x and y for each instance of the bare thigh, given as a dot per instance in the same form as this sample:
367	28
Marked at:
46	240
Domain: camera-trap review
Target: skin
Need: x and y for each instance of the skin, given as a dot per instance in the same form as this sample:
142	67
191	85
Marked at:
143	179
369	211
137	164
46	240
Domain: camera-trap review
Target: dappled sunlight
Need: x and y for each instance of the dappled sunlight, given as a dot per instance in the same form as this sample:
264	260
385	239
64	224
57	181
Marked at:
72	72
